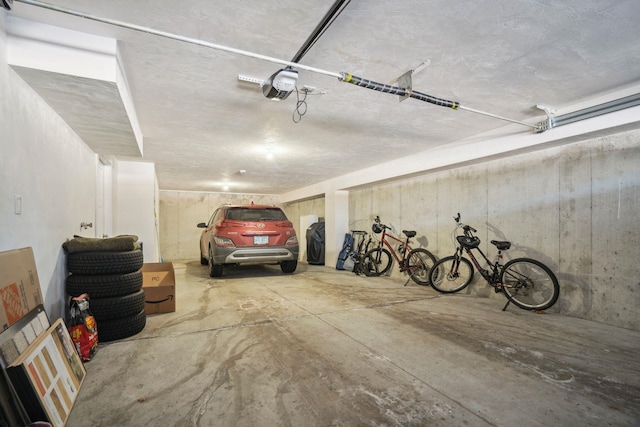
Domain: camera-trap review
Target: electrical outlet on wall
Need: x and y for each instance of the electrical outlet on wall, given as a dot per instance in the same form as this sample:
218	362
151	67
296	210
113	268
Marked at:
17	204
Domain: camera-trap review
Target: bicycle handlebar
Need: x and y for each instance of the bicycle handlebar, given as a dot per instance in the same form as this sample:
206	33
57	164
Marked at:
377	220
466	228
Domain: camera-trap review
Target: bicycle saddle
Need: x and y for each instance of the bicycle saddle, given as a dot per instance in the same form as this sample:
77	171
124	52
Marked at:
503	245
409	234
468	242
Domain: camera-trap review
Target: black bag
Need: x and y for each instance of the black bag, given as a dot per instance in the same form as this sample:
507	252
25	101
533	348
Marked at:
347	248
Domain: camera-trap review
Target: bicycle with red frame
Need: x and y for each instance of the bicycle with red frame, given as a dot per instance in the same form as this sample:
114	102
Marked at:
415	262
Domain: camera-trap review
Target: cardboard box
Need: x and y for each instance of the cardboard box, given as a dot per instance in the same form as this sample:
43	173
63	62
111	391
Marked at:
48	376
159	285
19	286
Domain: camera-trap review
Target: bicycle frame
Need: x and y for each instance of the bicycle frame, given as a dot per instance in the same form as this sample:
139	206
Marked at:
491	277
379	260
406	248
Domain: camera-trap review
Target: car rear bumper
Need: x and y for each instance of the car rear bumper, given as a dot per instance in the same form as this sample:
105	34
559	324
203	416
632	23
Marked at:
224	255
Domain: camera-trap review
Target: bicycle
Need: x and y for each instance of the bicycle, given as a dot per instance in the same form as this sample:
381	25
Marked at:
526	282
360	247
416	262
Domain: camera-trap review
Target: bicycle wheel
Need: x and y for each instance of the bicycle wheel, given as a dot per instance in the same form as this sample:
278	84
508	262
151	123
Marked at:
419	263
451	274
376	262
529	284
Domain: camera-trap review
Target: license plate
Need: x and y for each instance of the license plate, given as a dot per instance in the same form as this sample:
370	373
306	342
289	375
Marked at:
260	240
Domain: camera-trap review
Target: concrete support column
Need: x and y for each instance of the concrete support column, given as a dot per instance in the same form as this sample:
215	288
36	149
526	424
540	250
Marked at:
336	213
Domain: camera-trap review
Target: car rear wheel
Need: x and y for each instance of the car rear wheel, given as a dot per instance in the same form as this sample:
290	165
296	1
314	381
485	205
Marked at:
288	266
215	270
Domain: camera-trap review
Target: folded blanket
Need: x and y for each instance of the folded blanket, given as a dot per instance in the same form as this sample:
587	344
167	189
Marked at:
93	244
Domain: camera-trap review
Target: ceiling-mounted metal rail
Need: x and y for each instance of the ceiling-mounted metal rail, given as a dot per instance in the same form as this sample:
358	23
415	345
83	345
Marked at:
341	76
333	12
589	112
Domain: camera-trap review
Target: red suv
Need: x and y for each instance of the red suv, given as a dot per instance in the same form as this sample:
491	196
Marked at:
248	234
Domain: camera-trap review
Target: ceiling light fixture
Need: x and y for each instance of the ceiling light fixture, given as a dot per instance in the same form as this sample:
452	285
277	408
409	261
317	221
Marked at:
270	153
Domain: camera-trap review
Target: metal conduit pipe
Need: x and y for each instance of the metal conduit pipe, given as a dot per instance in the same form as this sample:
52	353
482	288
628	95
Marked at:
395	90
175	37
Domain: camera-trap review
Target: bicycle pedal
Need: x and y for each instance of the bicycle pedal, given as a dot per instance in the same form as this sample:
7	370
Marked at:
497	289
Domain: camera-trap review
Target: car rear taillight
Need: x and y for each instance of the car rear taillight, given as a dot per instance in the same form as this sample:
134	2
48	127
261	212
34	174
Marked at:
230	224
223	241
293	240
284	224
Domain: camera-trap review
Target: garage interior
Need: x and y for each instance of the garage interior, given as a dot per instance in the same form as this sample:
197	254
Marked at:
143	117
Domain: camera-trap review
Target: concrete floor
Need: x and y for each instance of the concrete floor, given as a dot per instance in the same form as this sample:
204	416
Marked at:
324	347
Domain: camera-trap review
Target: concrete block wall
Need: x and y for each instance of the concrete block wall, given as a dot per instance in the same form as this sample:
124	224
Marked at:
296	211
572	207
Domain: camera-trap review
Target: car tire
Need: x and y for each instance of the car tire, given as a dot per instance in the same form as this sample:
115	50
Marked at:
104	286
215	270
288	267
124	327
117	307
102	263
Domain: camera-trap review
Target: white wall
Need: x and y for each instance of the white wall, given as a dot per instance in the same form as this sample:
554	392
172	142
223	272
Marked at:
135	204
47	164
56	174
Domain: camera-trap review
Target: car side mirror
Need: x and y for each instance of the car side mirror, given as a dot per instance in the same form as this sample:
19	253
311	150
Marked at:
202	225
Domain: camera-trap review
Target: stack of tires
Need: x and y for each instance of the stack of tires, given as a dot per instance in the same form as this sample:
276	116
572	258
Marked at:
113	281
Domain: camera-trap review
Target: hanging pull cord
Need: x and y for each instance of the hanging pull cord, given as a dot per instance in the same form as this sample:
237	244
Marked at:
395	90
301	105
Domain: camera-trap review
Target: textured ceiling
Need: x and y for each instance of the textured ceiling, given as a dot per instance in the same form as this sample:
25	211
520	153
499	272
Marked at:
201	125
